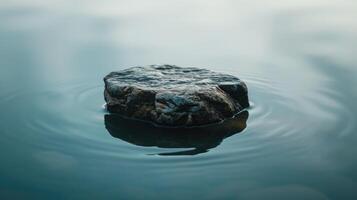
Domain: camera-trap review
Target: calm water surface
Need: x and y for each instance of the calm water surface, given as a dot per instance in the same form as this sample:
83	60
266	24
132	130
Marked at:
297	57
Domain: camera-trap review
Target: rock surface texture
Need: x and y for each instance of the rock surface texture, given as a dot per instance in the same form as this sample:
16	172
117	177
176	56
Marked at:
169	95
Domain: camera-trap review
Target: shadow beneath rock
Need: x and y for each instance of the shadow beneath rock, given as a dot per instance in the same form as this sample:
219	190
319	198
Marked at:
201	139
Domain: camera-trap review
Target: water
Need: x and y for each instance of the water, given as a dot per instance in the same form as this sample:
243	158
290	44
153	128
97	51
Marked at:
298	59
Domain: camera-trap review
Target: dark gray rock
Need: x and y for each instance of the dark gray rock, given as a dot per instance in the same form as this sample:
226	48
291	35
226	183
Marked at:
173	96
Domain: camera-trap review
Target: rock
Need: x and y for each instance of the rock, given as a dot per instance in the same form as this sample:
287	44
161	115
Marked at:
169	95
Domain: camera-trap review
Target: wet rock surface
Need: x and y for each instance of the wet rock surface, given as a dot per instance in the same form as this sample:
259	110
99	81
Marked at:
169	95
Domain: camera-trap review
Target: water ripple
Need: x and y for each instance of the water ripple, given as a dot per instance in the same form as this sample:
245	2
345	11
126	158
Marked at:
71	117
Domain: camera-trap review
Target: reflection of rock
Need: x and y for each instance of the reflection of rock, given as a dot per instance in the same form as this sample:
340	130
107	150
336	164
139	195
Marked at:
173	96
200	138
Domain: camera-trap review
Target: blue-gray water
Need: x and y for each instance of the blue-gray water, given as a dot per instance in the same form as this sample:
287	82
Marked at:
297	57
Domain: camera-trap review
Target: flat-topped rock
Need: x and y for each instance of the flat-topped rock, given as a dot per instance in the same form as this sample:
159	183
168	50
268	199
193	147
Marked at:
169	95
